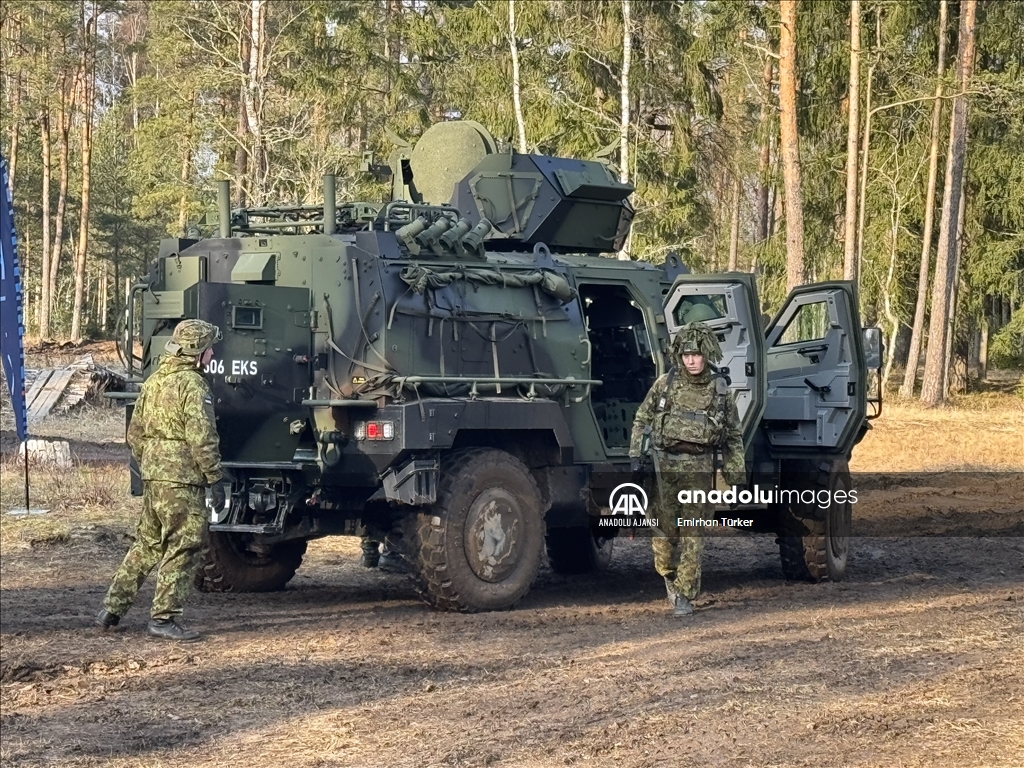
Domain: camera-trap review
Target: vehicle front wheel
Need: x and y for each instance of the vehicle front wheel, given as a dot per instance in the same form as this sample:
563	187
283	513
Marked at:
814	543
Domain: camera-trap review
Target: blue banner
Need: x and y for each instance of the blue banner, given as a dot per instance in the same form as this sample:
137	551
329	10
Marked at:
11	327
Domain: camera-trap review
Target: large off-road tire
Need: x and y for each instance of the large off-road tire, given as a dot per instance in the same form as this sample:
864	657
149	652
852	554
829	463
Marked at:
578	550
479	547
814	544
229	566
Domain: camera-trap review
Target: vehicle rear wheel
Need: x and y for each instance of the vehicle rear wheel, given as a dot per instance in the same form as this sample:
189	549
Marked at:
478	547
229	565
814	543
578	550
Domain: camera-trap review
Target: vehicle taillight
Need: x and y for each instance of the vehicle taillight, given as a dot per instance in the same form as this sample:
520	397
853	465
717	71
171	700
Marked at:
375	430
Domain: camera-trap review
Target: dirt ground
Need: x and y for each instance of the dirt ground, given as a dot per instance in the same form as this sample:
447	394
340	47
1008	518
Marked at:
917	659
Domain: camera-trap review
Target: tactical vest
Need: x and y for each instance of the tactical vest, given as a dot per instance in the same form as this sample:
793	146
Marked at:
692	431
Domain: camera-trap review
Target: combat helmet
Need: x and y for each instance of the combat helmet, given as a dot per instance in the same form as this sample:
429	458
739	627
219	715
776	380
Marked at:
193	337
696	339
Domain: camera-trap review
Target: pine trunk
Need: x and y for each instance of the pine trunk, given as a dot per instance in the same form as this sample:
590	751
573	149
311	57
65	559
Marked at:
895	212
624	117
88	94
45	297
866	145
254	100
517	102
734	227
12	161
974	359
102	309
983	340
790	142
764	161
917	331
945	266
242	154
627	55
955	339
62	201
852	131
183	176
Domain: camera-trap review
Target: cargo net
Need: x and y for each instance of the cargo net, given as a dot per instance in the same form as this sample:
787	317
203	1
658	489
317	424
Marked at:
472	327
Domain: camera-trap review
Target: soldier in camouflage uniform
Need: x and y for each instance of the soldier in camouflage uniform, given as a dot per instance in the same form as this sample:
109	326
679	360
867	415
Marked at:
173	437
685	419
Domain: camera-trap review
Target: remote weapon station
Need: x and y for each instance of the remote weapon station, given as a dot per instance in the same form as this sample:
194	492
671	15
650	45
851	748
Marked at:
458	370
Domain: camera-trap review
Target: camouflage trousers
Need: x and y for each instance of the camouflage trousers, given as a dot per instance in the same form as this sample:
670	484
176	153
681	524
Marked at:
678	549
169	534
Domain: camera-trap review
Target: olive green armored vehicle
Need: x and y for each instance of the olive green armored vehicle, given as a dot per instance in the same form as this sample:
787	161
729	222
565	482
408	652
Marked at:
458	370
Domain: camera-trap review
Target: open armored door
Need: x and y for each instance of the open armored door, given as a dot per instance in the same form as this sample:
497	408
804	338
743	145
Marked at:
728	304
815	360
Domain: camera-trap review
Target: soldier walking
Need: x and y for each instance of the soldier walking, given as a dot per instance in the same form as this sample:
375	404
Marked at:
685	420
173	437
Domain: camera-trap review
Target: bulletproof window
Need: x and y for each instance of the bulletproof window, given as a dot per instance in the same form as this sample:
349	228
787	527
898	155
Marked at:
810	323
700	308
248	318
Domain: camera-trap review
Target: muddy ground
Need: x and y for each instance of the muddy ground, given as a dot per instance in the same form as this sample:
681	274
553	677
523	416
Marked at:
916	659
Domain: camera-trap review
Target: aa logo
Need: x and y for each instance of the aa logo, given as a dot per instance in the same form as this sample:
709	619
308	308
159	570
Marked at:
627	500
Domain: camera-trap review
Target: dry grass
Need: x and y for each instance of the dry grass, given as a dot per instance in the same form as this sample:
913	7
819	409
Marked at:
84	496
977	431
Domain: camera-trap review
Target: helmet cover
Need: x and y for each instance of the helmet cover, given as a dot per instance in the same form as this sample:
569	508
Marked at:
193	337
696	339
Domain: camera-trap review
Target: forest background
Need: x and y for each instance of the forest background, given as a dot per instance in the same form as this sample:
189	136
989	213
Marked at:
806	140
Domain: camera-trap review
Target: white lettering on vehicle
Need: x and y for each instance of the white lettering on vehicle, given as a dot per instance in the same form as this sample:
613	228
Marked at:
238	367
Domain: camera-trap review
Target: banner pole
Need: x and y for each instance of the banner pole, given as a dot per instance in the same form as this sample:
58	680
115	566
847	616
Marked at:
27	505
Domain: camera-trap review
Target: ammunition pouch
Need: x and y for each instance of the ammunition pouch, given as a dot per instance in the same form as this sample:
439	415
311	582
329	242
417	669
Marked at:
689	448
701	428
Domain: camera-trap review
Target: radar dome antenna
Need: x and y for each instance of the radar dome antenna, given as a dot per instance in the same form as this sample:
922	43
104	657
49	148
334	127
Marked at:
444	155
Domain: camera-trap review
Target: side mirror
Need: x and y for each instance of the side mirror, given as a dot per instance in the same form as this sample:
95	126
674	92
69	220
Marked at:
873	348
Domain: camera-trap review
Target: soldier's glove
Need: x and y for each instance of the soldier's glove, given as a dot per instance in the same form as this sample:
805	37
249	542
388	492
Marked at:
217	497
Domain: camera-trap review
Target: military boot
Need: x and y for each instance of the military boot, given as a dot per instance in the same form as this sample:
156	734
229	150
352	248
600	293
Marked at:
105	619
392	562
673	593
371	554
680	605
169	629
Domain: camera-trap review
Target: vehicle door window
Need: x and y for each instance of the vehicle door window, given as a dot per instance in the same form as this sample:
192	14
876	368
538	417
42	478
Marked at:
810	323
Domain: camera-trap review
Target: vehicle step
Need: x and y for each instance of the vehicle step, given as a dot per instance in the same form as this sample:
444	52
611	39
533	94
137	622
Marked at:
228	528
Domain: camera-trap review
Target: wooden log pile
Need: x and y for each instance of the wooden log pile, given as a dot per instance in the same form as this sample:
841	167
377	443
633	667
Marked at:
61	389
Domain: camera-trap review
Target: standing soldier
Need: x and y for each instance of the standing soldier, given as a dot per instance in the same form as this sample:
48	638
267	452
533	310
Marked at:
173	437
685	420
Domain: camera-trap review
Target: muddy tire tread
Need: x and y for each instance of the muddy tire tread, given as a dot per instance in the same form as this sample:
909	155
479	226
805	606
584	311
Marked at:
803	543
220	570
422	540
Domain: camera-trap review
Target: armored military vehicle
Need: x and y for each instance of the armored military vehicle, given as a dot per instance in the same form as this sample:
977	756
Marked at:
459	368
